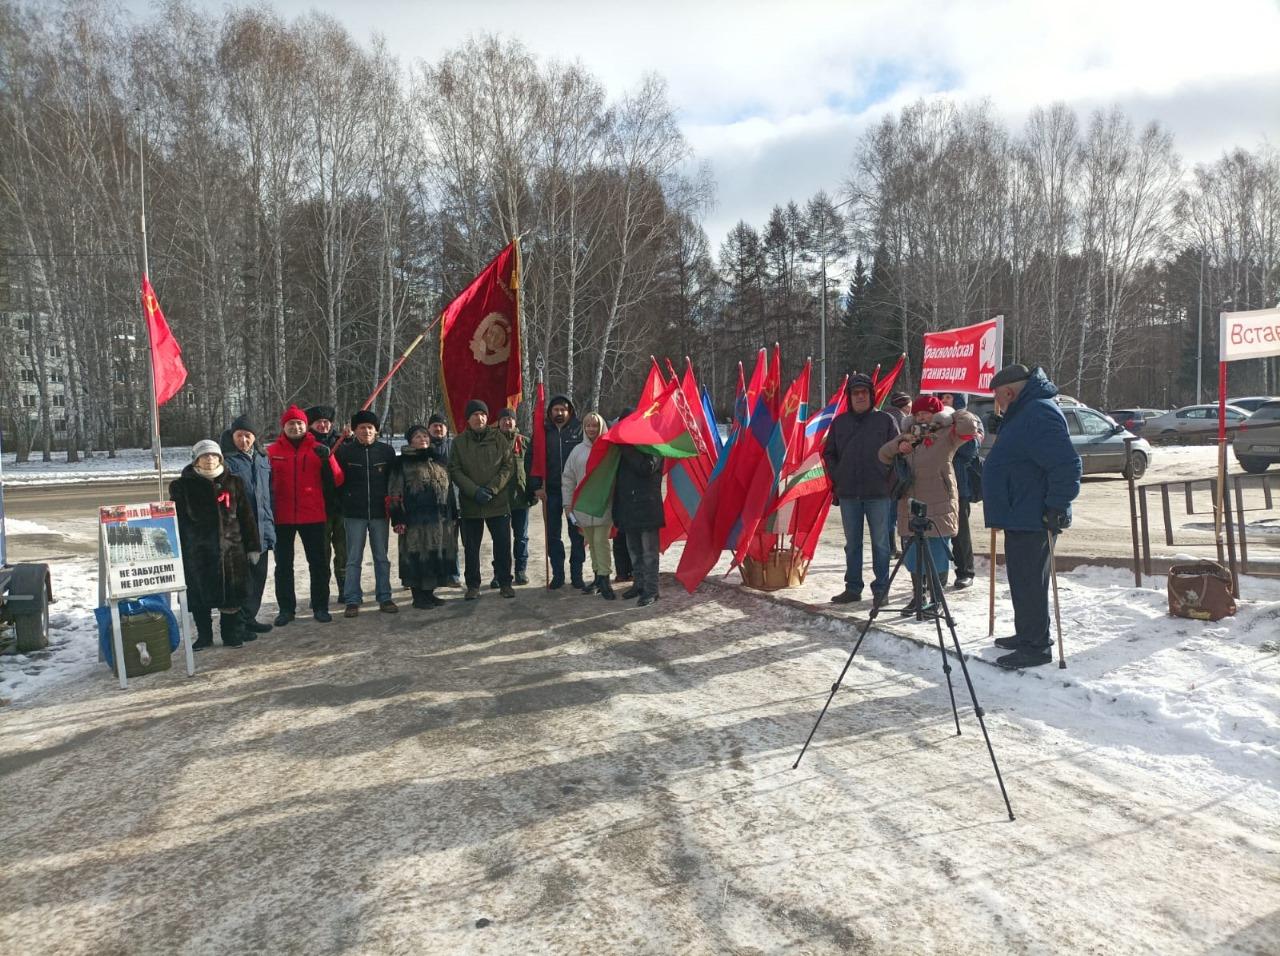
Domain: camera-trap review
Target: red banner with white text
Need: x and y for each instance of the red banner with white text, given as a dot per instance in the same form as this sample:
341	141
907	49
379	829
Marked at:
963	360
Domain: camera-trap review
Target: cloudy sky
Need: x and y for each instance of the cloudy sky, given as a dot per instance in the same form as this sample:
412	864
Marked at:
775	95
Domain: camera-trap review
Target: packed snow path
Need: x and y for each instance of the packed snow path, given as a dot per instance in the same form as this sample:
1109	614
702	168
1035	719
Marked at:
555	773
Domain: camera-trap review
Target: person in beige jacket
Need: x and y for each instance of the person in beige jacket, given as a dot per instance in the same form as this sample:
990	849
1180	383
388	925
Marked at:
594	530
928	446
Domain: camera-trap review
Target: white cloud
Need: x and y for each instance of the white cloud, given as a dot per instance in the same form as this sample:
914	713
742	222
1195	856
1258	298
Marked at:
774	94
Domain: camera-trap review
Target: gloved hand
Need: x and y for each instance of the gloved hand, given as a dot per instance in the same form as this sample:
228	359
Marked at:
1056	520
322	452
484	495
254	556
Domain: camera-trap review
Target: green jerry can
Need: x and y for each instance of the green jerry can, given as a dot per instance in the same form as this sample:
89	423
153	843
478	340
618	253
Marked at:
146	643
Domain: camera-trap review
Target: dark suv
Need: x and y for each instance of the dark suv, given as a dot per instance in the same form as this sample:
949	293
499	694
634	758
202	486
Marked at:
1257	443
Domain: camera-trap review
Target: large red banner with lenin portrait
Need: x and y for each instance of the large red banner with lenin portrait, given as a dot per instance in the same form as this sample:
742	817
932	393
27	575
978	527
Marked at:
963	360
480	340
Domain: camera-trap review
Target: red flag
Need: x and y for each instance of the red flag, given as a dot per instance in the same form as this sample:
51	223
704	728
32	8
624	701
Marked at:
883	385
539	468
757	380
687	478
653	385
797	398
168	372
480	340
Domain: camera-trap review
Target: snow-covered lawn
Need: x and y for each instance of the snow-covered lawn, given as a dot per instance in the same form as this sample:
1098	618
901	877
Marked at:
128	463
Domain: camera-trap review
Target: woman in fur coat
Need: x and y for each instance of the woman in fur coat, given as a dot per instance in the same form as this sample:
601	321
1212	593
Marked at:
219	541
422	515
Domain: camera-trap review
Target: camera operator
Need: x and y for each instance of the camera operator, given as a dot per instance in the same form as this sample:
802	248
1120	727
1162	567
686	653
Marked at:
1030	478
928	447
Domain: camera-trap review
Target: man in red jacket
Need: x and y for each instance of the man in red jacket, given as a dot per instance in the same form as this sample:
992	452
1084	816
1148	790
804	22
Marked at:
298	464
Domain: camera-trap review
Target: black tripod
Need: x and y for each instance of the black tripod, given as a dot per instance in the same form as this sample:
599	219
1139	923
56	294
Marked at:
935	609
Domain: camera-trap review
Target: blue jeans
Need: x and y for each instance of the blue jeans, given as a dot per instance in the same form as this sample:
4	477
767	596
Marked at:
876	511
379	531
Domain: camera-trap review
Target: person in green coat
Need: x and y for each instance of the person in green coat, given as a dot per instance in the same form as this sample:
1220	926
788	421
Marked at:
518	493
482	465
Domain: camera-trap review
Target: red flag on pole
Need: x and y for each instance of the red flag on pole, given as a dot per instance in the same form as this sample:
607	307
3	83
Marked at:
480	340
166	357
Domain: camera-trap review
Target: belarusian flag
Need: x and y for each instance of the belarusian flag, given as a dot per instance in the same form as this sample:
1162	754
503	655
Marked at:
657	429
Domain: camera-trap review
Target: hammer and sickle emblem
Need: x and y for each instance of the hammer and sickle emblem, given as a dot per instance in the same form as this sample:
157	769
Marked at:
652	410
150	304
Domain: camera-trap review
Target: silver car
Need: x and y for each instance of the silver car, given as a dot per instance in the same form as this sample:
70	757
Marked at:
1257	443
1192	421
1100	443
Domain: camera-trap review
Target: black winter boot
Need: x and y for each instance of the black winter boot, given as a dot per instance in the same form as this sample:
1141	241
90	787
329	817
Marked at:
606	589
593	587
204	630
420	600
230	630
913	605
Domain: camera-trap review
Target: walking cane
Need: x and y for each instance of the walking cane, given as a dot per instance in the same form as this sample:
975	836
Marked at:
991	590
1057	609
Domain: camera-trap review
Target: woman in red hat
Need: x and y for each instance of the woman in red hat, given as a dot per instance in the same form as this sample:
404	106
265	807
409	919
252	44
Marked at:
928	448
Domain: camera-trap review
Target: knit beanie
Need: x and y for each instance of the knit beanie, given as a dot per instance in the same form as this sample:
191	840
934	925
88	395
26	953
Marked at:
364	417
900	400
242	423
436	419
291	413
507	413
413	430
475	405
927	403
206	446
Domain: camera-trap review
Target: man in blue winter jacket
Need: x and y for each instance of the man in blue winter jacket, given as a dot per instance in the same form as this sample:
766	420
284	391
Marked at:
1030	478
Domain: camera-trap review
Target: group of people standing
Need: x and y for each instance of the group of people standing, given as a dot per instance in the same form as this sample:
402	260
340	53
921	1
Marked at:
337	493
923	450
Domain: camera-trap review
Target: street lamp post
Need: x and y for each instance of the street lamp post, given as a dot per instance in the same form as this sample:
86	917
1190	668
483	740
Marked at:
1200	331
822	331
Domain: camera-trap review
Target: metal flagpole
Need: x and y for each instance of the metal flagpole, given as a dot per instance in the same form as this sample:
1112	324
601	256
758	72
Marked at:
156	450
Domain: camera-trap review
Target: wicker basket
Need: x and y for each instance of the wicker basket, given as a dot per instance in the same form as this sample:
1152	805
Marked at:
782	569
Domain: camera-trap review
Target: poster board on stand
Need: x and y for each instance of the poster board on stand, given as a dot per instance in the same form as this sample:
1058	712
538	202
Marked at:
140	553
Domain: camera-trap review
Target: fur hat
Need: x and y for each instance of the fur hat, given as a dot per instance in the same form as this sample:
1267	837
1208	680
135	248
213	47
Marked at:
475	405
292	412
206	446
927	403
1010	375
364	417
858	380
317	412
413	430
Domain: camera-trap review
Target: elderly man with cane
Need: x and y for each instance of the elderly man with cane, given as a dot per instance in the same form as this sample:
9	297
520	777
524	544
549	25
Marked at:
1031	476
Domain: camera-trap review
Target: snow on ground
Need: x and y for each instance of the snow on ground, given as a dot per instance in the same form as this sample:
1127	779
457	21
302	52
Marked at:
128	463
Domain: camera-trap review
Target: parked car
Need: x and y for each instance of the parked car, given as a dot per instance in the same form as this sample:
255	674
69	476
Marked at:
1192	421
26	591
984	406
1100	443
1251	403
1134	419
1257	443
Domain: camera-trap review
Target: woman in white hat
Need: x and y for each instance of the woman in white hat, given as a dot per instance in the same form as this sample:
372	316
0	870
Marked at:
219	541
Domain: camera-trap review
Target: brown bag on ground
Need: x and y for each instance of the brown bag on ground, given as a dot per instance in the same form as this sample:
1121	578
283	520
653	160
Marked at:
1200	591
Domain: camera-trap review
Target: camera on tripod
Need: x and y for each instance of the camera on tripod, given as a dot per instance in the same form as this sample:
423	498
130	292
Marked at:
919	522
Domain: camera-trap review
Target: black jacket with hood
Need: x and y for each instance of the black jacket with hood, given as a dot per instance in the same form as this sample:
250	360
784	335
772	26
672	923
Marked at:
559	441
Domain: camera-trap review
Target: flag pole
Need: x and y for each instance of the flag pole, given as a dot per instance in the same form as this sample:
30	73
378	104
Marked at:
156	450
546	520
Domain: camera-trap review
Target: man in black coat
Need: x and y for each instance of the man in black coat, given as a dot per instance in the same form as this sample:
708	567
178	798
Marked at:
861	485
563	434
637	508
366	464
320	420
